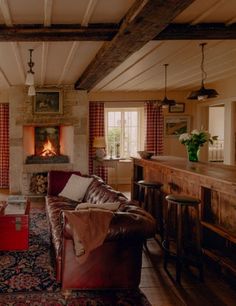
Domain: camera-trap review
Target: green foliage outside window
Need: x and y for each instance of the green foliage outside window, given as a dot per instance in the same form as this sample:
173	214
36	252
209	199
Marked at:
114	135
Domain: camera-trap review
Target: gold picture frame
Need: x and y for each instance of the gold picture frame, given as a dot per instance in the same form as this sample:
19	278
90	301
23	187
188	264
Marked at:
48	101
177	108
176	125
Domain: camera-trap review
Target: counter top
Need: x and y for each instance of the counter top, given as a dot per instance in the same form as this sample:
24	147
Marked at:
219	172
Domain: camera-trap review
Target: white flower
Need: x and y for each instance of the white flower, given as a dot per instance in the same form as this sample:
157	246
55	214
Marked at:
184	137
196	138
196	132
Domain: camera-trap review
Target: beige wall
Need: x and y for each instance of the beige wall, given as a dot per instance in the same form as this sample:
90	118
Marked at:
172	146
198	112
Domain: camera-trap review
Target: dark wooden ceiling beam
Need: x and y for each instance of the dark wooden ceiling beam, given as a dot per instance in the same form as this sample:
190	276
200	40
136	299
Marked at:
200	31
144	20
58	32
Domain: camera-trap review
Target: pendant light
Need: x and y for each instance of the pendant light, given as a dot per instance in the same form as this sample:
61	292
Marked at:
203	93
30	73
165	103
30	76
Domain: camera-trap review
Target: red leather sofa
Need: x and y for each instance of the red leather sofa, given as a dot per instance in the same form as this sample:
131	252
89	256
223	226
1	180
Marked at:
116	263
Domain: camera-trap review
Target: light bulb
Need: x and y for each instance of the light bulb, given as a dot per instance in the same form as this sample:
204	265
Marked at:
31	91
29	79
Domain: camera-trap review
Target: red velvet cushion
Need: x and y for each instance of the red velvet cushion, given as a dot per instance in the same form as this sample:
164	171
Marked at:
57	180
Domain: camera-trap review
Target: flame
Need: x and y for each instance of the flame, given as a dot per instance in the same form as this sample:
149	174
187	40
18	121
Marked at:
48	149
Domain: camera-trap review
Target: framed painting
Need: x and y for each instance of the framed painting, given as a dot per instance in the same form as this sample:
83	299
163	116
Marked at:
48	101
177	108
176	125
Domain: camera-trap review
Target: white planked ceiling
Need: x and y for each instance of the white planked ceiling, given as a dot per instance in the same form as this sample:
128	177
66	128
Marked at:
58	63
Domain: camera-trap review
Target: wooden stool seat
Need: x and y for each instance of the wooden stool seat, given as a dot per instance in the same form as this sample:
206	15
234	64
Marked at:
183	200
155	185
182	204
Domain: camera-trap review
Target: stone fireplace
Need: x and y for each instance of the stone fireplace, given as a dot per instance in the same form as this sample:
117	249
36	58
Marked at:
49	142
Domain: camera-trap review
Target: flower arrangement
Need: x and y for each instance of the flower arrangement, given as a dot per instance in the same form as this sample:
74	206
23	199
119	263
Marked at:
194	140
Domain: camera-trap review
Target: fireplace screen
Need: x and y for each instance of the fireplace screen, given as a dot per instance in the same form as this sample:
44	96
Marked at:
47	141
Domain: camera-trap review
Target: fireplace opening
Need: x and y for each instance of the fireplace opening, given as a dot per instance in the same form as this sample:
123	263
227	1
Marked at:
47	146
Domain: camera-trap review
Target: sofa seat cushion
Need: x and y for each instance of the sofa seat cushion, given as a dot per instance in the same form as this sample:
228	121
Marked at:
54	207
129	222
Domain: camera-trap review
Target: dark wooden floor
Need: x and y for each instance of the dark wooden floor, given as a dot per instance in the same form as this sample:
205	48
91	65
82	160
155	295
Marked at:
161	290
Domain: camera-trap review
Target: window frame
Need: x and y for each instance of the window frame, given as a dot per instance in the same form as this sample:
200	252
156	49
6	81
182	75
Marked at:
140	125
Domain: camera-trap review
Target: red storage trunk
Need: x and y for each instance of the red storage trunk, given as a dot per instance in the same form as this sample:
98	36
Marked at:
14	231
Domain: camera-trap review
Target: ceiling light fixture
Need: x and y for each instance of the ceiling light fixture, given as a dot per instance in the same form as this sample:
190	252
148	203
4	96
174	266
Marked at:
30	76
166	102
203	93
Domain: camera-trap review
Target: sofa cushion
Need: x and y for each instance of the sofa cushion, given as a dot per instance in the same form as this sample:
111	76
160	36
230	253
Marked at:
55	205
76	187
99	193
57	180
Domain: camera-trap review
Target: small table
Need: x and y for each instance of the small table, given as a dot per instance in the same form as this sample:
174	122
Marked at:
14	224
109	163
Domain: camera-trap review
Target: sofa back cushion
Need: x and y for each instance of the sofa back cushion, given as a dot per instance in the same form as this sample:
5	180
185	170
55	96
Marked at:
98	193
57	180
76	187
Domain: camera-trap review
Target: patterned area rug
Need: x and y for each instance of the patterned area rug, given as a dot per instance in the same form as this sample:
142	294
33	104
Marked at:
27	278
31	270
77	298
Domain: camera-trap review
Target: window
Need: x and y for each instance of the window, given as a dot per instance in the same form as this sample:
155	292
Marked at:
124	132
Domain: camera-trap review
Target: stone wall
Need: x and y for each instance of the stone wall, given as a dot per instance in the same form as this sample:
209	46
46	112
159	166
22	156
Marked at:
75	114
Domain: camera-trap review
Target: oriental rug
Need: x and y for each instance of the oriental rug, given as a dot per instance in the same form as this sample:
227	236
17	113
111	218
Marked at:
28	278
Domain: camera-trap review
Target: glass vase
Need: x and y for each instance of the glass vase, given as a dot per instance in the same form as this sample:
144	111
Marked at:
193	153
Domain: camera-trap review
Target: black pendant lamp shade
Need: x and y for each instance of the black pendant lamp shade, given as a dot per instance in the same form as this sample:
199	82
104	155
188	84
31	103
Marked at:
203	93
166	102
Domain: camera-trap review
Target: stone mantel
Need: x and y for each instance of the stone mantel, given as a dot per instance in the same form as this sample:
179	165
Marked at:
30	168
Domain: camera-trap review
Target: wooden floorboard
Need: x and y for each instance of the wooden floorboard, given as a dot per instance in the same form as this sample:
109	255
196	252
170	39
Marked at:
161	288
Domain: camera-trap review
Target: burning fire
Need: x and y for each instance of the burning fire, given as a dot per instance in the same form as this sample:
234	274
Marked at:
48	149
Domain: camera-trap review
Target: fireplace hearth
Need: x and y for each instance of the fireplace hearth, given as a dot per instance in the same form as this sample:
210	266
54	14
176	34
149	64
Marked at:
47	146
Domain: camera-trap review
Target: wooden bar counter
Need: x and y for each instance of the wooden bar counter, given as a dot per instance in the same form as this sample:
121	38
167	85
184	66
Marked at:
213	184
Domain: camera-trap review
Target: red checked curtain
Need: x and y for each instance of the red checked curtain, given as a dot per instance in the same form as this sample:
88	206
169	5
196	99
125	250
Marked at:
4	145
154	128
96	128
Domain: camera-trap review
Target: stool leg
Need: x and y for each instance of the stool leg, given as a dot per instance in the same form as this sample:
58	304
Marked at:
141	196
145	206
199	247
160	215
179	244
166	242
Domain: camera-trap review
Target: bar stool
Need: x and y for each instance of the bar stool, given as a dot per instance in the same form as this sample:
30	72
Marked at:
150	199
181	254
